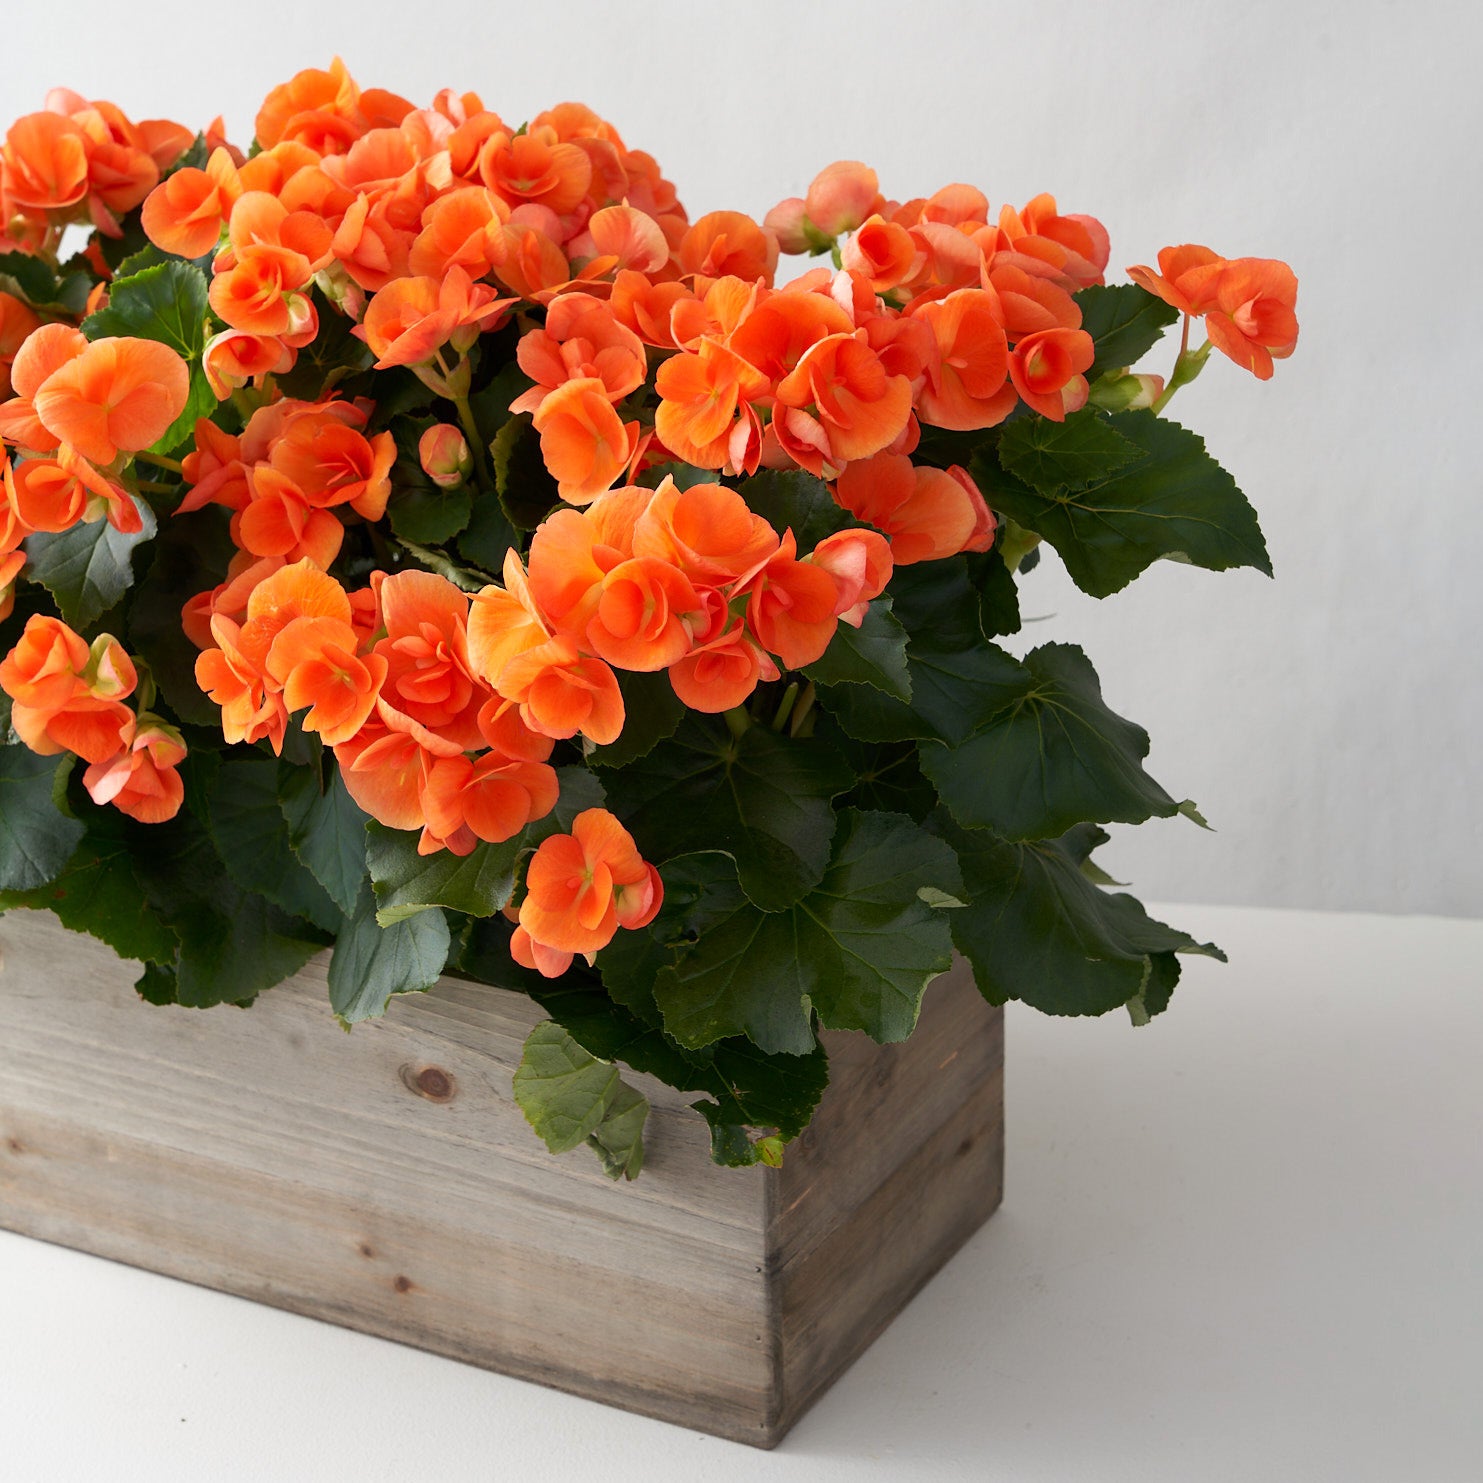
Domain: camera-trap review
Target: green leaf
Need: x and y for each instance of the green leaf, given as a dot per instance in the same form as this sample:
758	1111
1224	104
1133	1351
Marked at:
167	303
480	883
488	535
157	984
651	712
36	838
873	654
428	515
618	1140
888	775
251	835
763	798
332	356
1056	456
98	892
189	556
371	962
796	501
326	830
998	593
1050	755
524	484
1175	501
88	568
32	279
567	1094
1124	322
1158	988
1036	929
233	943
859	950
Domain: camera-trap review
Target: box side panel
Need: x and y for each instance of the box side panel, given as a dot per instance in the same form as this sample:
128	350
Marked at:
384	1180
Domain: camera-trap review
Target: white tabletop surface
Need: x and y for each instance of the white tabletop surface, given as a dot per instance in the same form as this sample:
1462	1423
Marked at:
1244	1243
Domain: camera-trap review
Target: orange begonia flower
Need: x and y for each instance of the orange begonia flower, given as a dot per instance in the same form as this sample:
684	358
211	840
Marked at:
333	464
584	443
410	320
1254	319
580	340
967	381
721	673
383	771
639	620
705	416
581	887
561	691
842	196
1027	303
860	562
45	668
11	565
45	160
187	212
885	252
251	711
840	404
927	513
536	167
43	352
119	394
648	308
280	521
431	690
141	780
465	227
791	607
533	266
707	531
17	321
490	797
234	357
315	663
311	105
726	243
1186	278
1047	371
503	622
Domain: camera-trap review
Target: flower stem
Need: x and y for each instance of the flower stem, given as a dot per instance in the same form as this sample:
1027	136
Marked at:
785	706
160	462
1186	368
803	712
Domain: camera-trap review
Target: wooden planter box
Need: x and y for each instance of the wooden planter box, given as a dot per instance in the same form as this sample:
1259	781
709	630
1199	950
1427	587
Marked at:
386	1180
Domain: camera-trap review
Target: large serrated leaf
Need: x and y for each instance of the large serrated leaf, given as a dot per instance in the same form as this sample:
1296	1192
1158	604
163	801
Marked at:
872	654
763	798
859	949
1124	321
1036	929
1055	456
480	883
1175	501
36	838
326	830
796	501
371	963
1052	754
88	568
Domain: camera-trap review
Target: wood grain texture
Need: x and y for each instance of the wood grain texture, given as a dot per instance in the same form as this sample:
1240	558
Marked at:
386	1180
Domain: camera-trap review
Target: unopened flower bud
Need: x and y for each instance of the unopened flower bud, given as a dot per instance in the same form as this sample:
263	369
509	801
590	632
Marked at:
1126	393
444	454
842	196
788	222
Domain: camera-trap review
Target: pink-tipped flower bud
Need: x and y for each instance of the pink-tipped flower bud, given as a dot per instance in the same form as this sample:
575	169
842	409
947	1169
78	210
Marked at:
444	454
842	196
788	222
1127	393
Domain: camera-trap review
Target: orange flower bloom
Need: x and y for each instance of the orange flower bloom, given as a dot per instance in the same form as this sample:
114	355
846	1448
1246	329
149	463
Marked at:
842	196
314	661
722	672
10	569
705	417
490	798
928	513
726	243
383	771
141	780
840	404
967	386
580	340
1254	320
17	321
1047	371
706	531
463	227
860	562
581	887
45	668
234	357
119	394
885	252
639	622
537	167
334	464
584	443
317	107
185	214
280	521
561	691
791	607
411	319
1186	278
45	159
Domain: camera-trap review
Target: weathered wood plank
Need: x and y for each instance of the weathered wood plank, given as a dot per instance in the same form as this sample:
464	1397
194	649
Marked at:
386	1180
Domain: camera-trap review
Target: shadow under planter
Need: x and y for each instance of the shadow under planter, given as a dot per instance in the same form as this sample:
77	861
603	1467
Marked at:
386	1180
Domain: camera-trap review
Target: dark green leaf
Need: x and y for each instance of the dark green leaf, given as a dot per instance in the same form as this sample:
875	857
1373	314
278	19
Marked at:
488	536
326	830
330	357
998	593
796	501
28	277
651	712
1175	501
406	883
1124	322
526	489
189	556
888	775
98	892
1050	755
1158	988
88	568
157	984
763	798
1036	929
564	1092
251	835
1054	456
618	1140
873	654
423	513
685	475
371	962
859	949
36	838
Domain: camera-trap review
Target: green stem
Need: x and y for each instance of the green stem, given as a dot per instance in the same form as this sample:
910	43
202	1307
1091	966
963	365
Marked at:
738	722
476	442
159	461
785	706
1186	368
802	712
152	486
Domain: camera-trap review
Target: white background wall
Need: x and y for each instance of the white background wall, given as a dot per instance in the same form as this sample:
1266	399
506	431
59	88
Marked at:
1328	722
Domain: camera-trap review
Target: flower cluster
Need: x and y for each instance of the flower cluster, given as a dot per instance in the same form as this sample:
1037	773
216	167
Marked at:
538	545
68	696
